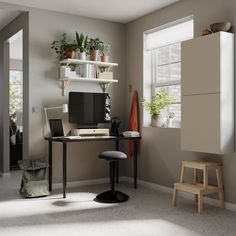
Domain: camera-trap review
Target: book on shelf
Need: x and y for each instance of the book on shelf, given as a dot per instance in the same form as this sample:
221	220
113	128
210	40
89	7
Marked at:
105	75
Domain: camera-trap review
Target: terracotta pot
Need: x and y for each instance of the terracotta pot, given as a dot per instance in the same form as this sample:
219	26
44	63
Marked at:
104	58
69	53
157	121
94	55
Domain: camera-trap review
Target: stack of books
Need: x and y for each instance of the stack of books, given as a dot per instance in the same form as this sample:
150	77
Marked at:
66	72
85	71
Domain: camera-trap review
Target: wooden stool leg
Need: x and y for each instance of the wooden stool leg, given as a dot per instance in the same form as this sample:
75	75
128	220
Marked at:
182	174
219	183
174	196
200	203
195	181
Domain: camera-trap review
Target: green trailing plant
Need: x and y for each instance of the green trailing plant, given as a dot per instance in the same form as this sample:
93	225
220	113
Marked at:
81	42
94	44
104	49
61	45
158	101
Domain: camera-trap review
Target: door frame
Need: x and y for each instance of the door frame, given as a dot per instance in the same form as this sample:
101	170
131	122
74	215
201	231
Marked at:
21	22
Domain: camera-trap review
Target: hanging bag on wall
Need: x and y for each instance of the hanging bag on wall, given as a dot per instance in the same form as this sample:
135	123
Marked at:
34	182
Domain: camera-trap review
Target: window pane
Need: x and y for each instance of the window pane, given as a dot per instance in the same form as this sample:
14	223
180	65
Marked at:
175	71
163	55
163	74
175	52
176	108
15	105
15	77
175	92
16	91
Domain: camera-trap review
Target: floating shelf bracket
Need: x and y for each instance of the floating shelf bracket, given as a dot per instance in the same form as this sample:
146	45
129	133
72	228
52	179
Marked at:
105	86
64	84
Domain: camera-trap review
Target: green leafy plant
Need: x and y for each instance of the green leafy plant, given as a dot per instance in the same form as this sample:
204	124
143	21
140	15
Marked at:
95	44
104	49
61	45
81	42
158	101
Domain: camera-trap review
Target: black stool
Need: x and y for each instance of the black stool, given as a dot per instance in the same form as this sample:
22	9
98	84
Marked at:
112	196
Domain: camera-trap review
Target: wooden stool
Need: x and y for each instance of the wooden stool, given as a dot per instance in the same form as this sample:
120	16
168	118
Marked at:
199	189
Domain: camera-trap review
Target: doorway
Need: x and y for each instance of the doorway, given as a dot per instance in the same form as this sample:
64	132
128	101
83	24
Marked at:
16	99
20	23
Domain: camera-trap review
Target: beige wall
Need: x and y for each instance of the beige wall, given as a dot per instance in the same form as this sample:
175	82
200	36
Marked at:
160	156
44	88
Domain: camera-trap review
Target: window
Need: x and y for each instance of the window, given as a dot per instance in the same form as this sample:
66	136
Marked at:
16	91
162	64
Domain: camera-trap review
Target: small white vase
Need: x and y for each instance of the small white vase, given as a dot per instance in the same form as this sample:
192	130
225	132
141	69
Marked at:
170	123
157	121
82	56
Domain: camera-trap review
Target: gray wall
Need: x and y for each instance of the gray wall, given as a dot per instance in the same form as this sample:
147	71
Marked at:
44	87
160	155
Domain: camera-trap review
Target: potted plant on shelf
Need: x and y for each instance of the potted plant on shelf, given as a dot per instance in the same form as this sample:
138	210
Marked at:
104	50
94	46
62	48
158	101
81	43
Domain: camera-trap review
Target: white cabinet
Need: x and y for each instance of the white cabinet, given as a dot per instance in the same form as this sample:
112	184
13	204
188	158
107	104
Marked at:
208	94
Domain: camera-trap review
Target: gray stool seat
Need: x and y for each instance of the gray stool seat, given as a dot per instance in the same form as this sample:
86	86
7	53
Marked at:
112	155
112	196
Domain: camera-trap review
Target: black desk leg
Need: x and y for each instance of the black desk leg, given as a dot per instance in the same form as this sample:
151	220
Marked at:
135	162
50	165
64	169
117	163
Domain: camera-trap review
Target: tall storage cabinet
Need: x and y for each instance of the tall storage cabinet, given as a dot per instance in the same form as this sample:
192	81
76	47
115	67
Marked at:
208	94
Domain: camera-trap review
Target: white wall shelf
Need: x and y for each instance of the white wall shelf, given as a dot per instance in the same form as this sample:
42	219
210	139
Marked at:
104	83
100	66
80	62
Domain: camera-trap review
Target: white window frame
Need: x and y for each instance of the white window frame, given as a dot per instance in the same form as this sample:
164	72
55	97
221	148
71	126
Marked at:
149	84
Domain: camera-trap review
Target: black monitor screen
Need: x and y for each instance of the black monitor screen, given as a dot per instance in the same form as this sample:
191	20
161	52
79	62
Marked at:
88	108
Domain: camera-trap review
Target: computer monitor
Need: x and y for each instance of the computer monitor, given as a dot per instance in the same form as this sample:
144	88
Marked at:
88	109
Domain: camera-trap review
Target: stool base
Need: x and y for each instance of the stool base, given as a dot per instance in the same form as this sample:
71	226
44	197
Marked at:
108	197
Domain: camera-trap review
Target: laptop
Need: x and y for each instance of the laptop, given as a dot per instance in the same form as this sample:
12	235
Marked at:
56	127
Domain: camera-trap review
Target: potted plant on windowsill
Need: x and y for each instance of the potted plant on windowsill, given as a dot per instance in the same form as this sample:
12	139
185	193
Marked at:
158	101
94	46
104	50
62	48
81	43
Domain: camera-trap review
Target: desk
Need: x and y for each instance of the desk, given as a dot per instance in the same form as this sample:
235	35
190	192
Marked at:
65	140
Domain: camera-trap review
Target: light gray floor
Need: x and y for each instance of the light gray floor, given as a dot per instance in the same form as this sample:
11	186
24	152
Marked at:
148	212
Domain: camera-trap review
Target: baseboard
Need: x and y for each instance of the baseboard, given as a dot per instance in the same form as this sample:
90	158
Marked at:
82	183
5	174
156	187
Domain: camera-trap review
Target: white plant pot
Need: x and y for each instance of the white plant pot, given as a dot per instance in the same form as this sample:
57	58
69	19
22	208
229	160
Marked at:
157	121
82	56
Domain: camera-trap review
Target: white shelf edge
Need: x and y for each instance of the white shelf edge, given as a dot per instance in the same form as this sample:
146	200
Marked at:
93	80
78	61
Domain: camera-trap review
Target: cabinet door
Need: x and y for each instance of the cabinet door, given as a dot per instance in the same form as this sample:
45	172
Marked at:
200	130
200	66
